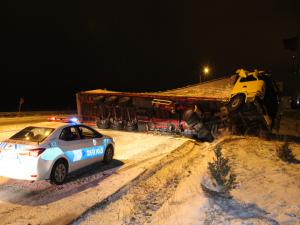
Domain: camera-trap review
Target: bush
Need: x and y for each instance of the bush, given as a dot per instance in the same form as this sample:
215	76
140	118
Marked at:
285	153
220	171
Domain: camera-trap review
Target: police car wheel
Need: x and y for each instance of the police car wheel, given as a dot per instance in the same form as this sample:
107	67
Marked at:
109	153
59	172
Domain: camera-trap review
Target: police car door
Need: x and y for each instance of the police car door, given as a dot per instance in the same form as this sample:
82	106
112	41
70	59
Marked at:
71	144
93	147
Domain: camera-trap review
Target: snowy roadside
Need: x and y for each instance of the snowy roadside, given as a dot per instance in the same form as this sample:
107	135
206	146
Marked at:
151	183
139	200
268	190
13	124
22	202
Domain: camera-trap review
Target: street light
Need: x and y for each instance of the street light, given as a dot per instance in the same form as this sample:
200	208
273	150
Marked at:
205	71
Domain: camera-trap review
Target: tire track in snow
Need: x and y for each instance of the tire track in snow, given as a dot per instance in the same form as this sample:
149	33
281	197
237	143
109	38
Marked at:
147	193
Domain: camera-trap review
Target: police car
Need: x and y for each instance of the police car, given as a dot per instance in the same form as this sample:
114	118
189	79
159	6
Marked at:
51	150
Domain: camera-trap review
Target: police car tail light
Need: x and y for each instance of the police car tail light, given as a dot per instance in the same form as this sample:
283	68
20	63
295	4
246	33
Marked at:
36	152
32	152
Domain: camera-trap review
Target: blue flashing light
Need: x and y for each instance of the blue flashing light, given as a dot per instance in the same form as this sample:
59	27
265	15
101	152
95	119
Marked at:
74	120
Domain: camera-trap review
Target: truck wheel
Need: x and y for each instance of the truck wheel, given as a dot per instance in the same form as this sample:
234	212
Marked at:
117	125
103	124
170	127
236	102
59	172
132	126
109	154
142	127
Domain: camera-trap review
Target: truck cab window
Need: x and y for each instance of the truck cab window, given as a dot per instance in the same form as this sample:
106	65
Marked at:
248	78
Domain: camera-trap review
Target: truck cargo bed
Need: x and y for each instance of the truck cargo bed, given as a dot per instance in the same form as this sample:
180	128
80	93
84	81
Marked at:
211	90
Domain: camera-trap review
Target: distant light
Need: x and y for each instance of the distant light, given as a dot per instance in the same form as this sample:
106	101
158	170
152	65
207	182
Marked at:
74	120
52	118
206	70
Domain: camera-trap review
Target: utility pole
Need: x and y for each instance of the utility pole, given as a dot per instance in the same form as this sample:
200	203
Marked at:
21	103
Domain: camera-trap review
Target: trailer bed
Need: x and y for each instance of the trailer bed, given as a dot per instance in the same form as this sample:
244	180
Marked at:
217	90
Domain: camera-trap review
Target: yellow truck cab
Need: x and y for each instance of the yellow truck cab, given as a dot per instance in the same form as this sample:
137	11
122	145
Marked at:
248	87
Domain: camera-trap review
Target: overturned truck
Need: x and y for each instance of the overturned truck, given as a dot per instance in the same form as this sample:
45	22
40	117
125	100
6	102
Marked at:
246	102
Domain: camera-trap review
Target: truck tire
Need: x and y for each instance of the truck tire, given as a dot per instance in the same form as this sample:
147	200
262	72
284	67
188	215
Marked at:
131	127
117	125
103	124
190	117
236	102
142	127
170	127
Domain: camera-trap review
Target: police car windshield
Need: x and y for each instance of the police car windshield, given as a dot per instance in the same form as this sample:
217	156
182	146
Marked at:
33	134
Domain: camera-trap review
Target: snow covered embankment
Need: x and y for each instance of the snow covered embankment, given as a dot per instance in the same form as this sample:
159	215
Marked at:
268	190
170	193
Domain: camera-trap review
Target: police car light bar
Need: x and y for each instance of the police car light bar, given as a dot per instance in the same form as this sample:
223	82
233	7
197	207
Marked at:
74	120
64	120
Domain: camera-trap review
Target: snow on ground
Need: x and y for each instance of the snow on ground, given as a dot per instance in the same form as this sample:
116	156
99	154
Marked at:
265	180
268	190
23	202
288	122
151	183
10	125
140	199
142	143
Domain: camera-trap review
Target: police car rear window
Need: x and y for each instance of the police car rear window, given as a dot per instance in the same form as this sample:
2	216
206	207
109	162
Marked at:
33	134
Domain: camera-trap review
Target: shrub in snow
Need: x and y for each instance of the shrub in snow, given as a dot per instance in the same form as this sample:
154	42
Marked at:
285	153
221	179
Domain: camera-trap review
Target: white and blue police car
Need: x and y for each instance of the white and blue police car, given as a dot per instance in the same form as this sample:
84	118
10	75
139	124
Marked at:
51	150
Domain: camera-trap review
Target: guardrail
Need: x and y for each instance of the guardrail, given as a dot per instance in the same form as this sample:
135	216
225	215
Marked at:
36	113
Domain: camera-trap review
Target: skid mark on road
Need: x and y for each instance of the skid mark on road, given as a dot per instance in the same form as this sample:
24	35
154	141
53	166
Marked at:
145	194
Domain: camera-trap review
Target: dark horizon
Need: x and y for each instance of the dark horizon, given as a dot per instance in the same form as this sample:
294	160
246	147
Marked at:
50	51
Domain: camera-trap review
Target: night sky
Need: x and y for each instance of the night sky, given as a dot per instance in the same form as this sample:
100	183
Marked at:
49	50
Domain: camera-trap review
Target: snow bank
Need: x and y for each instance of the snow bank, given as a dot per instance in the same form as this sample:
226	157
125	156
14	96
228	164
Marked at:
268	189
